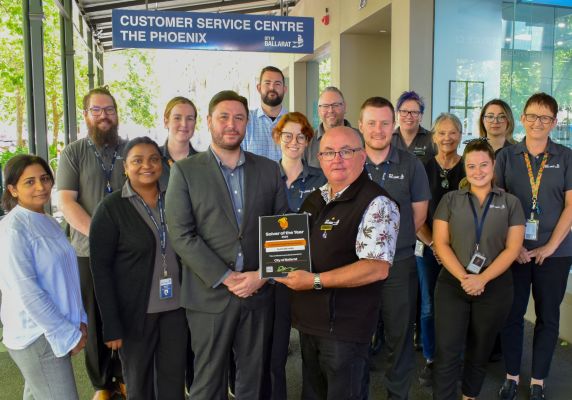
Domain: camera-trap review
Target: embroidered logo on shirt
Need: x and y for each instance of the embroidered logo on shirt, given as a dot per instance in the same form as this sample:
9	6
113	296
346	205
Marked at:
552	166
392	176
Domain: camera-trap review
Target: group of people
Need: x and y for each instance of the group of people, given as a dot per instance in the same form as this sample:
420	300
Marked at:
164	254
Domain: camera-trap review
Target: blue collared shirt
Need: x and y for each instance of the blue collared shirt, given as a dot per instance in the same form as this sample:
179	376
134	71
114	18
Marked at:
39	280
258	139
234	178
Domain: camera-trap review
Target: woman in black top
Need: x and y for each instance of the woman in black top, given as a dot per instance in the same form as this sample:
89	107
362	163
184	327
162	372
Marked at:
444	172
136	277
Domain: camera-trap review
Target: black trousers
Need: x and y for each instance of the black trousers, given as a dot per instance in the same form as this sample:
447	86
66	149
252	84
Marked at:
548	282
332	369
470	324
154	363
280	341
239	329
398	308
100	365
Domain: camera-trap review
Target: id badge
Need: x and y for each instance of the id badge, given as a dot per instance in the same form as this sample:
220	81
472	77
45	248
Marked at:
419	247
166	288
531	229
477	263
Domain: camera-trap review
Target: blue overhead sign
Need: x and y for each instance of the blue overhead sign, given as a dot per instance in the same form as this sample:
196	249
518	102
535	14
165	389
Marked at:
212	31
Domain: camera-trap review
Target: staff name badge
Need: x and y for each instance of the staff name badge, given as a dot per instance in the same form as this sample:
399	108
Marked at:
477	263
166	288
531	229
419	247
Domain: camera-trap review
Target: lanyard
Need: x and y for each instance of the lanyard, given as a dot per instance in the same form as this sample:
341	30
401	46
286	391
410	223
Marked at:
161	229
535	183
107	174
479	225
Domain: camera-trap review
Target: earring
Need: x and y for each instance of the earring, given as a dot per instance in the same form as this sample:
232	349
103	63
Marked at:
15	195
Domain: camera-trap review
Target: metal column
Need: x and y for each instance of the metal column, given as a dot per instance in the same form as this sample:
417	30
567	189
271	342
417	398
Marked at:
34	73
68	74
90	55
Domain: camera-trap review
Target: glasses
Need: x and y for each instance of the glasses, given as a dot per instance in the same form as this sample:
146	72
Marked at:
483	139
96	111
443	174
545	119
332	106
286	137
346	154
491	118
405	113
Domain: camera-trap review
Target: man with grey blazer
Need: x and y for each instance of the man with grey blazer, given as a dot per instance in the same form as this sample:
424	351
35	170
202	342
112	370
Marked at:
213	203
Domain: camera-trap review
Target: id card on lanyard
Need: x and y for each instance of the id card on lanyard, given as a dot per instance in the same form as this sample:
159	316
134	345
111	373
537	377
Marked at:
478	259
165	282
532	224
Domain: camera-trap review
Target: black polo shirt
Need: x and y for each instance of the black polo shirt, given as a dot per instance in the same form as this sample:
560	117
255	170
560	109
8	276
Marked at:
404	178
511	174
422	145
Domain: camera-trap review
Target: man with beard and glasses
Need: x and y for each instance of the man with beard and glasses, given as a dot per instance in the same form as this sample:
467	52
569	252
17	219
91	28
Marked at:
262	120
332	112
213	203
89	169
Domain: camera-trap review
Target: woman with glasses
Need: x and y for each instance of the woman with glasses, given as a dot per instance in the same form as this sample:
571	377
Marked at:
538	172
42	313
478	232
497	124
445	172
136	276
410	135
293	133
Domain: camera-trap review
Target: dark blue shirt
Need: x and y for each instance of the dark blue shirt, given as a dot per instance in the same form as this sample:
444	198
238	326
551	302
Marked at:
511	174
309	180
404	178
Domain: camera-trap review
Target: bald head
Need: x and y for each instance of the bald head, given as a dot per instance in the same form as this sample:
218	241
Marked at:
344	133
341	171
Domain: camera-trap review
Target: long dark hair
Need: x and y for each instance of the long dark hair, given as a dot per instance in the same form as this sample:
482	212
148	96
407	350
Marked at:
13	172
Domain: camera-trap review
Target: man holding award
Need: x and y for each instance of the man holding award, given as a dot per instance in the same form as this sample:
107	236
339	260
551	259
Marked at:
213	203
335	307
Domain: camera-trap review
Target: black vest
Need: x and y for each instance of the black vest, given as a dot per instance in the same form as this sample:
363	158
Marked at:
347	314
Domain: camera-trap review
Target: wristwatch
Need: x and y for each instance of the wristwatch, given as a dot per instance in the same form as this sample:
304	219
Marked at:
317	282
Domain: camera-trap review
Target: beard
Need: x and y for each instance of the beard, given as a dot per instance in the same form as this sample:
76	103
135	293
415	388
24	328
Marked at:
272	102
103	137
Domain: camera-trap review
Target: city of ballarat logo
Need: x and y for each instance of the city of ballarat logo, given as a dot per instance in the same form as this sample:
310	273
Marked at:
270	41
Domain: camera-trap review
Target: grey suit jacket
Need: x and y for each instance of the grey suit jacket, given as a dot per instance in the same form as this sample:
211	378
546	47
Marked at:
203	228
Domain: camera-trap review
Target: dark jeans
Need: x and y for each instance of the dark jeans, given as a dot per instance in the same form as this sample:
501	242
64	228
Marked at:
332	369
154	363
468	323
100	365
548	282
427	269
